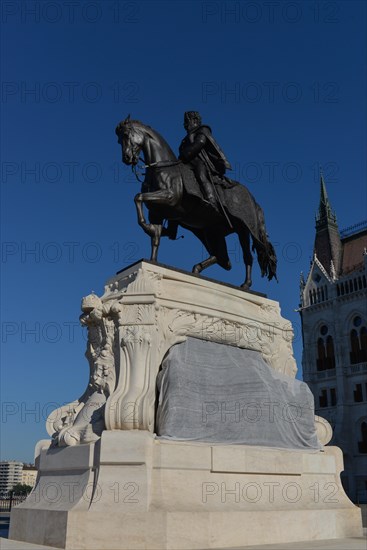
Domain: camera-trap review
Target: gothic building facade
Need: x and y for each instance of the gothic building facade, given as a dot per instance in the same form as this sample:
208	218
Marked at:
333	311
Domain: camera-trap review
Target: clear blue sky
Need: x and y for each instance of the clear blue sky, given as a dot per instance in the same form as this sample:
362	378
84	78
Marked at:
284	90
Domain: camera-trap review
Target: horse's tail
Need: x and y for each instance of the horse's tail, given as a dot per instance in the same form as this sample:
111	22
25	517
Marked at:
264	249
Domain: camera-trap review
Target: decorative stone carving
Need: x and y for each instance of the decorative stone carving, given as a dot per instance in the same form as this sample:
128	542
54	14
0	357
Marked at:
323	429
83	421
144	311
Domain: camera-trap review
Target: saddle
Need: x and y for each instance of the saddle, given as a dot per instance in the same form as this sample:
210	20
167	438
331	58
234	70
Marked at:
193	187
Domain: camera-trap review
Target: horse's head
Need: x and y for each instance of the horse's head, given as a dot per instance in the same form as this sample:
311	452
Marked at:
131	138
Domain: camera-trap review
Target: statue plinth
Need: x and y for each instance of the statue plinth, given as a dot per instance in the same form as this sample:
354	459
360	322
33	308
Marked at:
146	309
108	482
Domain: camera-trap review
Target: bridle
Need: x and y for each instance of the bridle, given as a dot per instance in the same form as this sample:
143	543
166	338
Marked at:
159	164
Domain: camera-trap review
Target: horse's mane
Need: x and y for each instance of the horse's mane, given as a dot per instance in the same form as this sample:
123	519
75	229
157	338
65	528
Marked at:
130	124
136	126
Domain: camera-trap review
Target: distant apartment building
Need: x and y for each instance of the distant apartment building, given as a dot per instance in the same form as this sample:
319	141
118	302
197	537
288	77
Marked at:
10	475
29	475
333	310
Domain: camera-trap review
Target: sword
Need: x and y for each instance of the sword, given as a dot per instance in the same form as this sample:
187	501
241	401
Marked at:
215	191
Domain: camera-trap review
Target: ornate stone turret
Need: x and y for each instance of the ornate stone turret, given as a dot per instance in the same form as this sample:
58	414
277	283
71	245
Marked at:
328	247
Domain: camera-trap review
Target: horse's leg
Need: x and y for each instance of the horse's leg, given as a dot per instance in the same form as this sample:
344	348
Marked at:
155	240
162	197
244	237
169	197
198	268
153	229
141	219
217	248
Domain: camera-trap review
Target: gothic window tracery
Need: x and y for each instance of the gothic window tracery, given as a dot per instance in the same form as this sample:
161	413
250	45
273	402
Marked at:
325	350
358	341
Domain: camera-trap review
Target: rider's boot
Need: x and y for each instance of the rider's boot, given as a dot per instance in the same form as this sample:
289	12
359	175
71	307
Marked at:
209	194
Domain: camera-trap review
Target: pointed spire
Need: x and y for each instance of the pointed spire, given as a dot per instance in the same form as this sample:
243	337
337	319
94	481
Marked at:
327	246
323	195
325	214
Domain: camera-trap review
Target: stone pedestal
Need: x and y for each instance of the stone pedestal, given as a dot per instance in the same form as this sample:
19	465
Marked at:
132	491
145	310
107	482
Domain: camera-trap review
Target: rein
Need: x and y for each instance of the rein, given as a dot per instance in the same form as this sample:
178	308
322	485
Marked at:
134	170
159	164
163	164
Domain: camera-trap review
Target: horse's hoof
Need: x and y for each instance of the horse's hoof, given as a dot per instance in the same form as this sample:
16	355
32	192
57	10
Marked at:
197	269
246	285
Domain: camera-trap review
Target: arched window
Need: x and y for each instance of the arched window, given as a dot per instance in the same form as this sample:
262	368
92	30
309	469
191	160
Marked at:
363	339
358	393
326	294
355	284
323	402
330	355
354	346
351	285
358	341
362	445
310	297
321	355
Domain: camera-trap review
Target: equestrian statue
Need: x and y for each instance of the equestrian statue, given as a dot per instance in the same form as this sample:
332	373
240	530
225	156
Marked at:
193	192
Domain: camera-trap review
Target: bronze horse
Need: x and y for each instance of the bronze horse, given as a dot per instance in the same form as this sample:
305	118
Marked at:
171	192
